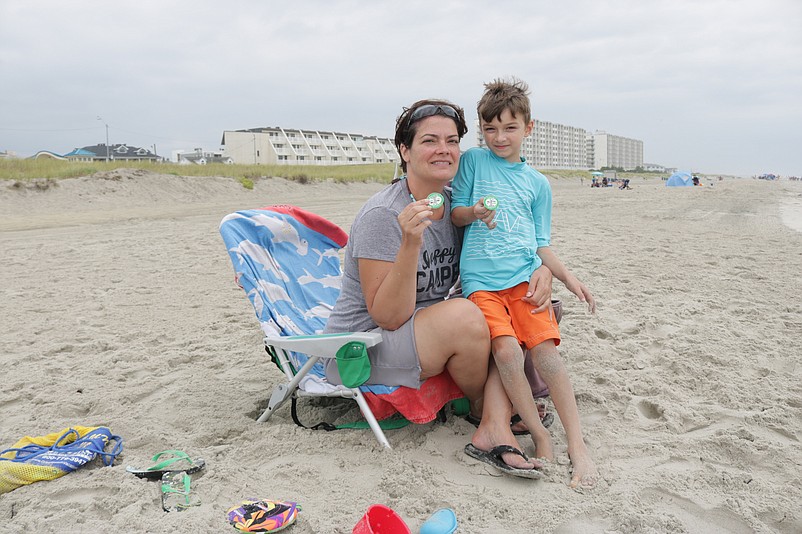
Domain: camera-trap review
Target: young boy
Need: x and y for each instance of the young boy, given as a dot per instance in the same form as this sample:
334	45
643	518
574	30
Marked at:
506	206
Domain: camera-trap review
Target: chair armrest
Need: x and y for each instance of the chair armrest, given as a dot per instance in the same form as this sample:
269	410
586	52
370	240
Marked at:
322	345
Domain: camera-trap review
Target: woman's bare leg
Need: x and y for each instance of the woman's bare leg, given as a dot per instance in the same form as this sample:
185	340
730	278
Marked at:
494	429
453	335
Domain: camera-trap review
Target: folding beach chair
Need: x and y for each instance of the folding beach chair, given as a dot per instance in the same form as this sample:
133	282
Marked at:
287	261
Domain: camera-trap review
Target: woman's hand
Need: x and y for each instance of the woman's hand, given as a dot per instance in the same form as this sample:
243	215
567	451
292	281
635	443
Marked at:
539	292
414	220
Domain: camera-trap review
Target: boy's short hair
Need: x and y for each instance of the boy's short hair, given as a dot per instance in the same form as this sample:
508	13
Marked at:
511	94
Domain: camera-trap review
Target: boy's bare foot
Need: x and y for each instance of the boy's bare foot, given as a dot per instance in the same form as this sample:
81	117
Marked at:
584	474
543	446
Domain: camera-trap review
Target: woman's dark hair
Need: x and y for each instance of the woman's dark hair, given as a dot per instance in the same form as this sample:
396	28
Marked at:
406	124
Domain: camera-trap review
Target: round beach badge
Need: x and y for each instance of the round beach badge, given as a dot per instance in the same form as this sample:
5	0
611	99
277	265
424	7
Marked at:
435	200
490	202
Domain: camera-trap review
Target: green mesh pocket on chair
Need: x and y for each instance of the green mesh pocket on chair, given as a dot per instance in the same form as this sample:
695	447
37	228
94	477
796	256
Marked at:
353	364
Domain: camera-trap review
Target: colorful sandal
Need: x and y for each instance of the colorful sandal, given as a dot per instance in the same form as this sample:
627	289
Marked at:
155	472
262	515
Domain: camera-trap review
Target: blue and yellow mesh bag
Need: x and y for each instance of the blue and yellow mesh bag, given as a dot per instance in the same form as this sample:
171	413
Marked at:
32	459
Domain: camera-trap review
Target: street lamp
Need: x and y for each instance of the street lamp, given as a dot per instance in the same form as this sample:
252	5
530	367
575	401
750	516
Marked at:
107	137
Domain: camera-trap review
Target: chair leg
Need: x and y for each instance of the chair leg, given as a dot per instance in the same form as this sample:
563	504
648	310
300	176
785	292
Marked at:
281	393
370	418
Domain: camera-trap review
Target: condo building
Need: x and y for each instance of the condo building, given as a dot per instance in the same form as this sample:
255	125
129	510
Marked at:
607	150
551	146
276	145
557	146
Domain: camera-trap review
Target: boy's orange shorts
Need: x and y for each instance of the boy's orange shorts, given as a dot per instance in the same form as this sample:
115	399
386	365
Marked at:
508	315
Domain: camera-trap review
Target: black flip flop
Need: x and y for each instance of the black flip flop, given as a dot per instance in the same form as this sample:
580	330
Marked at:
493	458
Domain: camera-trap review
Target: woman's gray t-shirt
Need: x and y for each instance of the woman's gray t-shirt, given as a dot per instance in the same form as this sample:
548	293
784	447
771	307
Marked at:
376	235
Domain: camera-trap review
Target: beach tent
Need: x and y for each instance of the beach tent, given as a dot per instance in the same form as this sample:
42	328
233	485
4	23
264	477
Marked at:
679	178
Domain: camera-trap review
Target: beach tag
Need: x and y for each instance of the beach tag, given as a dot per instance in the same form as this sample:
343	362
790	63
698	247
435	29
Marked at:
435	200
490	202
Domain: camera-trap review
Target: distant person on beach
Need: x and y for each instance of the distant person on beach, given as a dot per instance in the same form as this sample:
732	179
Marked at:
502	248
401	260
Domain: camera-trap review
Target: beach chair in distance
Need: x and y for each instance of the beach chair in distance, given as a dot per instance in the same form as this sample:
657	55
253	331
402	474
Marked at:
287	261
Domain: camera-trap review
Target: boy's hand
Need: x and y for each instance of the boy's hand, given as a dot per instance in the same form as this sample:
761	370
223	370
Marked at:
539	292
483	214
582	292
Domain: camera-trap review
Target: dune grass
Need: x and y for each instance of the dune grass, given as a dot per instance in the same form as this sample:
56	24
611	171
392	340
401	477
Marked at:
29	169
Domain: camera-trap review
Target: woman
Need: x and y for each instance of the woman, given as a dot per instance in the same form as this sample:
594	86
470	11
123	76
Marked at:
401	261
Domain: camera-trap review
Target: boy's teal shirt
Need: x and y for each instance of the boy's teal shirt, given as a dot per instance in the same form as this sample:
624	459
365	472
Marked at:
505	256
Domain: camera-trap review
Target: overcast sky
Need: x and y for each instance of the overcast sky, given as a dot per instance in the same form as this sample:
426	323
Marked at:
711	86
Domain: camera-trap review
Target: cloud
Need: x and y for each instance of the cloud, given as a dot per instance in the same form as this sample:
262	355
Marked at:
679	75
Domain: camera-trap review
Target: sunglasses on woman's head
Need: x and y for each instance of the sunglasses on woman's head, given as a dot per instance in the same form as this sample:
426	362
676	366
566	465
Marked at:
430	110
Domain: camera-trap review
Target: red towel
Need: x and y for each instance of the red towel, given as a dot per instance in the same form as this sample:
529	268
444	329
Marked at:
417	405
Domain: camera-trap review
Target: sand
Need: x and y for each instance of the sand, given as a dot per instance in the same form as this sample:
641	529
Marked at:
119	309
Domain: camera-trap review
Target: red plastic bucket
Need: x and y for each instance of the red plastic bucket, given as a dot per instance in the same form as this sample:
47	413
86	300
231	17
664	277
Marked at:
380	519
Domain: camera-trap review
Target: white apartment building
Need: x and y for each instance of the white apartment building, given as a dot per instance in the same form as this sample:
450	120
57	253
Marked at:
552	146
614	151
557	146
276	145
